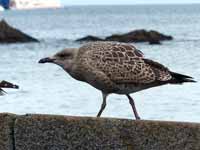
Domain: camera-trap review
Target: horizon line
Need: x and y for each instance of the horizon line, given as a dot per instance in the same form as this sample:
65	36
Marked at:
189	3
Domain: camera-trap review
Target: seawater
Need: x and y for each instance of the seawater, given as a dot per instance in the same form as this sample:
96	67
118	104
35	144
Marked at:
48	89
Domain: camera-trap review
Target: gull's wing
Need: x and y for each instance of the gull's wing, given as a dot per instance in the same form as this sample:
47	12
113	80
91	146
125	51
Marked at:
123	63
114	47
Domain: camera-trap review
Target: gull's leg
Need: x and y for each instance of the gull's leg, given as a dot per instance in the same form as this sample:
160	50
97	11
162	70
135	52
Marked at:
103	104
131	101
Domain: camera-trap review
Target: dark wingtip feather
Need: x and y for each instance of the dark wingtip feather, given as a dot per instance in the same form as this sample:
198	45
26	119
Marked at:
190	80
180	78
180	75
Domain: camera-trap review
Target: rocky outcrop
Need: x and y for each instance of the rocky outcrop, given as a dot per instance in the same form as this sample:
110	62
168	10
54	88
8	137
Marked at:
46	132
89	38
9	34
154	42
153	37
139	36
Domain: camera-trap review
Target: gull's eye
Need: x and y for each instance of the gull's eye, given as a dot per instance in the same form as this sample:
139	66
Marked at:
61	55
64	55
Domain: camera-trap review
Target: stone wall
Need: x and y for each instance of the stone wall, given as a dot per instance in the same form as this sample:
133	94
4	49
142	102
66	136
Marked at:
47	132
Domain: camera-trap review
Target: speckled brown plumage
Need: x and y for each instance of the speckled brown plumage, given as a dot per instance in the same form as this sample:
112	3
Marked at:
115	68
122	65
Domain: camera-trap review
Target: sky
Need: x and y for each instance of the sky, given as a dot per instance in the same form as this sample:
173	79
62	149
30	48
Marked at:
118	2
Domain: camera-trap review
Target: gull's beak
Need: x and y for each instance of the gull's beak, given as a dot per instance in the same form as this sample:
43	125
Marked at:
46	60
14	86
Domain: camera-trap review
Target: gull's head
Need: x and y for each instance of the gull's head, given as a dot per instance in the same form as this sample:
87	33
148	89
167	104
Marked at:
6	84
64	58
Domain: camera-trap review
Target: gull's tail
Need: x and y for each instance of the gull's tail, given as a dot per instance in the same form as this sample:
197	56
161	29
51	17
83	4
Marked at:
180	78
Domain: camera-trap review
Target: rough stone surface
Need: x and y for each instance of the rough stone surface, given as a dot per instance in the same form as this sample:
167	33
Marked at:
89	38
154	42
6	131
9	34
153	37
154	135
139	36
45	132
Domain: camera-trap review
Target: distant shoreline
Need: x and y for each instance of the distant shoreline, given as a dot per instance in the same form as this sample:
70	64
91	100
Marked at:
150	4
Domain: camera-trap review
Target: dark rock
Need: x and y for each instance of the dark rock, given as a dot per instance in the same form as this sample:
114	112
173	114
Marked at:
9	34
89	38
153	37
159	36
139	36
154	42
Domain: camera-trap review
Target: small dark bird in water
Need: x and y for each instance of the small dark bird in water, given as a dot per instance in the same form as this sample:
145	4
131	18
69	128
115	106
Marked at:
5	84
115	68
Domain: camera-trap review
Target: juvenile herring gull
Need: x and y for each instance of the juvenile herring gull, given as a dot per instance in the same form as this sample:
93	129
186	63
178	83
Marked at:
114	68
5	84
